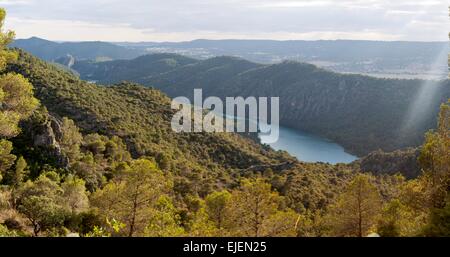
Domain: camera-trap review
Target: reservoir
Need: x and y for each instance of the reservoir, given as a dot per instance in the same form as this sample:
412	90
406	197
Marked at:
310	148
305	146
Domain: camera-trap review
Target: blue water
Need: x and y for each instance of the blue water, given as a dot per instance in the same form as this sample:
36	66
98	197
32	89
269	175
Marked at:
306	146
310	148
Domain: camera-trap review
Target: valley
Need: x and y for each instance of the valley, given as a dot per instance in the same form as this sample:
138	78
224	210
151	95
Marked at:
361	113
107	139
111	140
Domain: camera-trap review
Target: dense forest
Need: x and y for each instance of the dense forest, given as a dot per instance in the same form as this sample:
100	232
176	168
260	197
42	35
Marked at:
82	159
361	113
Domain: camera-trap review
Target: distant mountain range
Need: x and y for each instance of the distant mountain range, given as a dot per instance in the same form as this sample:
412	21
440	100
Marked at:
362	113
50	51
376	58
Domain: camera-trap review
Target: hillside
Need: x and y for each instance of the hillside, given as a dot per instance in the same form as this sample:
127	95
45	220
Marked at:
361	113
132	70
49	50
78	181
200	162
88	147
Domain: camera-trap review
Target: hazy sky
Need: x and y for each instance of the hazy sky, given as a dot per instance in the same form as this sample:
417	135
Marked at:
170	20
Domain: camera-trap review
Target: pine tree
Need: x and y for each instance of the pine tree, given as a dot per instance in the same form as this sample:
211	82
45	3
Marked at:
71	139
164	221
250	207
20	172
216	206
41	202
356	209
6	158
16	93
435	158
435	162
132	196
16	98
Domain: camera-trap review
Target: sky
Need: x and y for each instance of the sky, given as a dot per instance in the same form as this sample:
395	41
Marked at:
183	20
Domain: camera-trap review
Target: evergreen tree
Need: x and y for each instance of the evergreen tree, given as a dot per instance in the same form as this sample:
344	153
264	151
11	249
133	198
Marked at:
132	196
164	221
435	158
216	206
41	202
6	158
16	98
250	207
356	209
74	193
71	139
20	172
435	162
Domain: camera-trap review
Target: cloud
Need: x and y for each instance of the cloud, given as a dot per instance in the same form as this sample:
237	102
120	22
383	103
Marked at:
137	20
9	3
84	31
73	30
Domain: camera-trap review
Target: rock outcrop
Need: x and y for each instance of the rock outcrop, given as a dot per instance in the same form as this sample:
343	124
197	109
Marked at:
45	134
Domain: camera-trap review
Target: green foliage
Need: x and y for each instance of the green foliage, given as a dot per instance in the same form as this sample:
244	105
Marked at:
20	172
16	103
201	225
251	207
113	226
280	224
103	161
197	165
141	118
4	232
6	158
402	161
41	202
131	197
120	70
16	93
71	139
5	39
47	204
144	178
439	224
397	219
216	204
356	209
75	194
164	221
435	161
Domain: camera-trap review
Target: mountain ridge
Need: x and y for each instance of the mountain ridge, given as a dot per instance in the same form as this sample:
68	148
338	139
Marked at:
360	112
397	59
50	50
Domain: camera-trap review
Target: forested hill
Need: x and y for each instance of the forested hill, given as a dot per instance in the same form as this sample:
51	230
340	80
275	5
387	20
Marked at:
360	112
50	51
139	115
186	184
131	70
199	162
